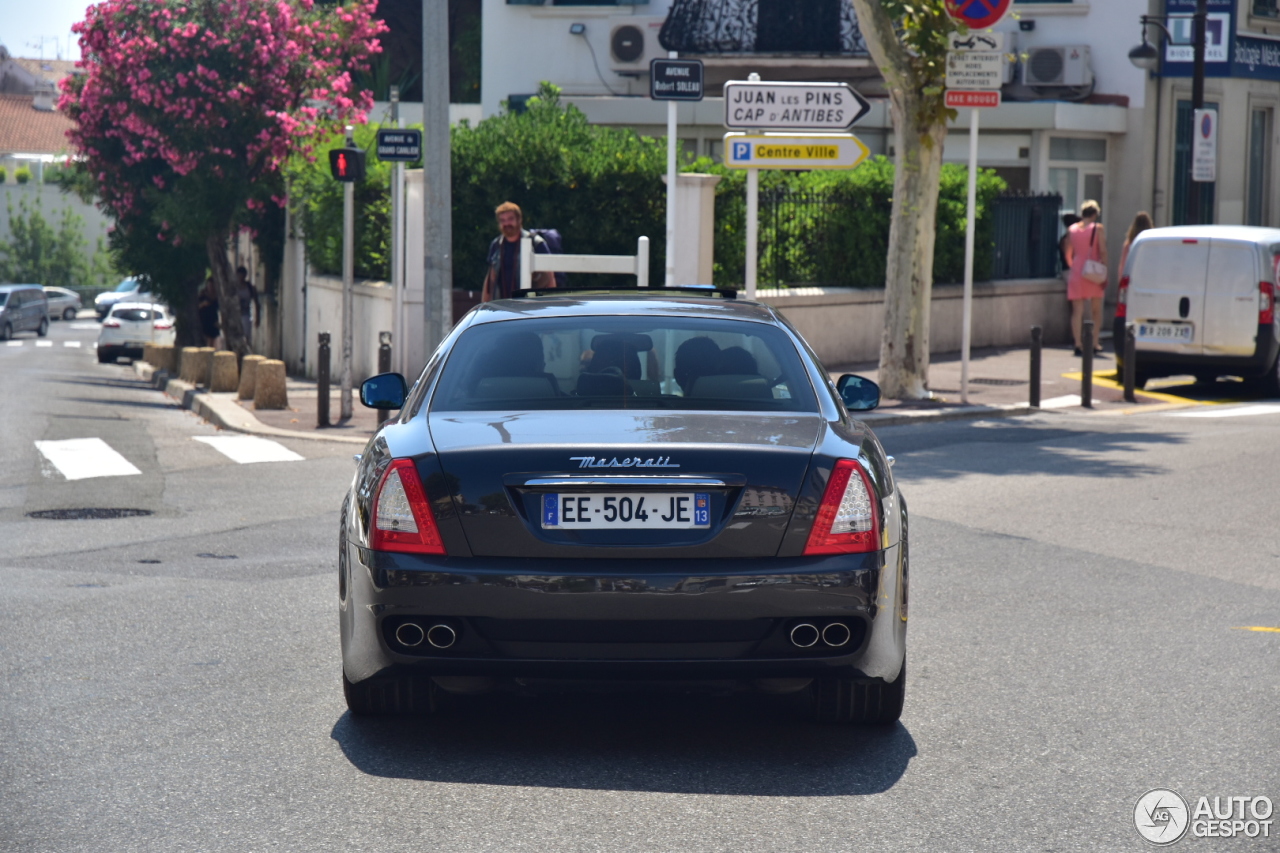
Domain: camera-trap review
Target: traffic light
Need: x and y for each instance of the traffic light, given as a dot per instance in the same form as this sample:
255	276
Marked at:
347	164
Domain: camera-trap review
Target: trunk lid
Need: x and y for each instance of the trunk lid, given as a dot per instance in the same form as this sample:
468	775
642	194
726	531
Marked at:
502	468
1167	282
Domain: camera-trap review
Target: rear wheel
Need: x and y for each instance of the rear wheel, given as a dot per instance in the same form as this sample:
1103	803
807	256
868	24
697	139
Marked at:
848	700
386	697
69	313
1271	382
106	356
44	327
6	332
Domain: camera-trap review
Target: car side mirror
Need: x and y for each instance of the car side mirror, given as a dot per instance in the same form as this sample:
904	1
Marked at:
858	393
384	391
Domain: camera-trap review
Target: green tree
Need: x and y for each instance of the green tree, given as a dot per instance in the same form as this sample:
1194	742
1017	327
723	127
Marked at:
907	40
49	253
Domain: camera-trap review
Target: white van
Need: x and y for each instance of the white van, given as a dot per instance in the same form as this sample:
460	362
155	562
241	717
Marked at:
1201	300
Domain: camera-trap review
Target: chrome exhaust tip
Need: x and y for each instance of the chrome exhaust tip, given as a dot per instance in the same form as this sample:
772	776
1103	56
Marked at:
441	636
836	634
804	635
410	634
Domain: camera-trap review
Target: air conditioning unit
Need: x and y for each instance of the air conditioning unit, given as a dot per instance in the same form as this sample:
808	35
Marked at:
1057	66
633	41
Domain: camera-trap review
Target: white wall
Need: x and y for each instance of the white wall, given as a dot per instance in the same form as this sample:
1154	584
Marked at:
52	201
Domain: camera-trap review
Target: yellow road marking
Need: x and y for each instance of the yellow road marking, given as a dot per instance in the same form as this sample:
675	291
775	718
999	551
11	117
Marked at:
1257	628
1104	380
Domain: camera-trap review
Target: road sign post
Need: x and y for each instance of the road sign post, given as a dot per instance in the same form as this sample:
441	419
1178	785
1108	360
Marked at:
672	80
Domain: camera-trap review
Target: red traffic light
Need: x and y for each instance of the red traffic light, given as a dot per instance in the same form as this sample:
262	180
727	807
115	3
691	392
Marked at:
347	164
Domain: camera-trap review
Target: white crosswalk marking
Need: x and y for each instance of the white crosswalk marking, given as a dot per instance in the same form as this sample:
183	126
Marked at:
14	343
75	344
1229	411
246	449
44	343
84	326
82	458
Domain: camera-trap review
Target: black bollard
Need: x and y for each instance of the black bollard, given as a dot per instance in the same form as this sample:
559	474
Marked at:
1130	365
1037	340
322	382
384	366
1086	366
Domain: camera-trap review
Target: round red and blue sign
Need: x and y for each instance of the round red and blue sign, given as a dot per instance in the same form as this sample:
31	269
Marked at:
978	14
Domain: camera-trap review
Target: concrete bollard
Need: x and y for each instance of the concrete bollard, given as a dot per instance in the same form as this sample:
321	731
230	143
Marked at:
204	366
268	386
147	354
187	370
162	357
225	375
248	375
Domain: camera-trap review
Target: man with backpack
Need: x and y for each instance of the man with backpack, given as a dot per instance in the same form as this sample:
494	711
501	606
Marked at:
503	276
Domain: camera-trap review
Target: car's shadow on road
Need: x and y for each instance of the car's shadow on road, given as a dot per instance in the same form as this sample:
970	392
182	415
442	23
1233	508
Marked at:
743	744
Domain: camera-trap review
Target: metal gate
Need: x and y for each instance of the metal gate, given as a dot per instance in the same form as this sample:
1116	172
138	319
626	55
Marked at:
1027	231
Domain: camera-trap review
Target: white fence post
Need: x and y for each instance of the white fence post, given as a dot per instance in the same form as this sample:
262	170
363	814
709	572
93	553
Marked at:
642	261
526	263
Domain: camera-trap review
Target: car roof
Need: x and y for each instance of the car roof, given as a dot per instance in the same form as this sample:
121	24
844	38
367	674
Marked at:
120	305
17	286
597	303
1244	233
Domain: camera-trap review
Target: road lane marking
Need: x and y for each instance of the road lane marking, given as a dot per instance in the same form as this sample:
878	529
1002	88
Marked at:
1108	379
1258	628
1234	412
247	449
1061	402
85	326
44	343
14	343
75	344
83	458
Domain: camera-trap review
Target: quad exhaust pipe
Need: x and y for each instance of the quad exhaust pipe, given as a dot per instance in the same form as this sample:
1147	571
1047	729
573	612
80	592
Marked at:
440	636
834	634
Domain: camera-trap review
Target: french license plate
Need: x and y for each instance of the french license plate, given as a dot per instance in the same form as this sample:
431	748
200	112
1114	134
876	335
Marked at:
1167	333
626	511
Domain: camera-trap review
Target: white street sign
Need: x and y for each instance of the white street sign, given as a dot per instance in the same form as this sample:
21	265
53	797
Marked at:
976	41
975	69
750	105
806	151
1204	152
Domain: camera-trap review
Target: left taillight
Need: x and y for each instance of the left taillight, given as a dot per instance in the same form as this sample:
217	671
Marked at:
402	518
110	324
1266	303
163	325
848	520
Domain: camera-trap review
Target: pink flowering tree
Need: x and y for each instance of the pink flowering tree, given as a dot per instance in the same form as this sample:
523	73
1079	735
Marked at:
187	111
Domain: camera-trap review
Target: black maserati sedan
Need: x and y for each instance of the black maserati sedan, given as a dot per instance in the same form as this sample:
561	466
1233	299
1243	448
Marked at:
622	486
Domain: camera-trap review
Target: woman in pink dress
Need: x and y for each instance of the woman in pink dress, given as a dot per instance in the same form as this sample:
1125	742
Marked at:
1088	242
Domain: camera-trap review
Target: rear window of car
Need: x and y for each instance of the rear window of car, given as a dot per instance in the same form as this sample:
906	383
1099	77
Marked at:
136	314
624	363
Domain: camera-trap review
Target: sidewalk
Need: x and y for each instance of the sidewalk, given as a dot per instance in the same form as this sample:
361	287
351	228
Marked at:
999	386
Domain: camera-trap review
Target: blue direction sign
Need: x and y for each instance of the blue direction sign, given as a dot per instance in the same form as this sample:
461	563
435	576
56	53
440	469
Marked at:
978	14
401	145
675	79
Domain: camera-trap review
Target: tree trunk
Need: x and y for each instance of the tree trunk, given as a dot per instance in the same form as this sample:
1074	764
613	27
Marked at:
228	300
908	293
912	77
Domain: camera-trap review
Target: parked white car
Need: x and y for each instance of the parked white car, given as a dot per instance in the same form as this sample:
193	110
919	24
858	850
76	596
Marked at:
131	325
1201	300
63	303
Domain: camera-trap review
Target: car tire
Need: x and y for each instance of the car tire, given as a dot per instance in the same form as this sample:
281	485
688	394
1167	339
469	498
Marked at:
6	332
105	356
69	314
1271	381
44	327
387	697
859	701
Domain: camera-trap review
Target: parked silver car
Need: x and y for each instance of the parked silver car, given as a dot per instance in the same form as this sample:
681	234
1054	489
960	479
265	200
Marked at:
128	290
63	303
23	308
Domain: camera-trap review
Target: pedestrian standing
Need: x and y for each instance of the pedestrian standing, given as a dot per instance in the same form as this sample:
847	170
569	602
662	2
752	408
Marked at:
1087	284
503	276
247	295
1140	223
207	311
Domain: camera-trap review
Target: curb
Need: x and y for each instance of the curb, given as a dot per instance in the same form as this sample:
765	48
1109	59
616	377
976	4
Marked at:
960	413
222	411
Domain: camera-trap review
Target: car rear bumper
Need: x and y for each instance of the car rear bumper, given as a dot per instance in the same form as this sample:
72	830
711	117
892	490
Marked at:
1155	363
624	619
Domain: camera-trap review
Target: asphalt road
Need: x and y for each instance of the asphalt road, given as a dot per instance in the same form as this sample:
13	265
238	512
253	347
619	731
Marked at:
171	682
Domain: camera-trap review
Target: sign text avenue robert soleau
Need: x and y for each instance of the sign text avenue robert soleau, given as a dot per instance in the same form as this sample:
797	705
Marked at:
791	106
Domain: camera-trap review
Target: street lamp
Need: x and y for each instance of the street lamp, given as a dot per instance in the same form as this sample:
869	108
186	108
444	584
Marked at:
1146	57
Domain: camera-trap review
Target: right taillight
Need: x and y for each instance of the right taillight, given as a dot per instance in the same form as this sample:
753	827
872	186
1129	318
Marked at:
848	520
402	518
1266	303
1122	299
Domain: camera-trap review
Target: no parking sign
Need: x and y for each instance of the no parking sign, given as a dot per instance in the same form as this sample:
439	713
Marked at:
978	14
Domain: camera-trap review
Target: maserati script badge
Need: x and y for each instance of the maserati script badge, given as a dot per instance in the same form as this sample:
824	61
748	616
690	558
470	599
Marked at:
624	462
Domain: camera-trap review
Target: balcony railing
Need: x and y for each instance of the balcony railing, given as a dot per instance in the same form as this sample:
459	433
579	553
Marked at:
821	27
